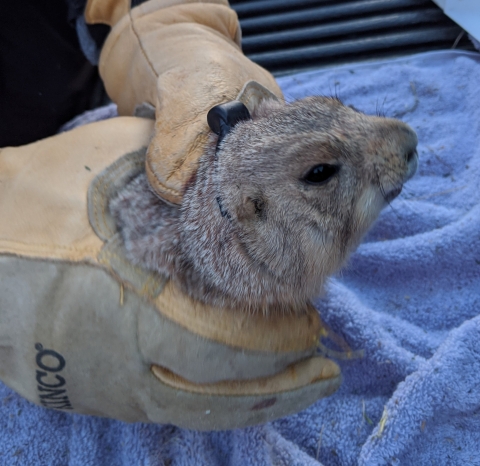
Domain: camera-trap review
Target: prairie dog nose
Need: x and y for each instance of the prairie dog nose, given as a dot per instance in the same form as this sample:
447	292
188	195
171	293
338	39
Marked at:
409	140
403	136
398	143
396	160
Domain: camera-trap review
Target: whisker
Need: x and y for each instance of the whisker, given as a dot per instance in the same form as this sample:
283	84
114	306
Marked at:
380	111
384	194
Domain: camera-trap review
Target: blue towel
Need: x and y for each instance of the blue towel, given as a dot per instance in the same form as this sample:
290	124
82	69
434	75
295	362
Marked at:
409	298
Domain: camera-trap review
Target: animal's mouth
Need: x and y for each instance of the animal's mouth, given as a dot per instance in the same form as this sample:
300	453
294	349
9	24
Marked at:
412	165
390	196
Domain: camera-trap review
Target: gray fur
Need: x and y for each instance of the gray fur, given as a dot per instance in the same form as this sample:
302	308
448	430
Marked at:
250	234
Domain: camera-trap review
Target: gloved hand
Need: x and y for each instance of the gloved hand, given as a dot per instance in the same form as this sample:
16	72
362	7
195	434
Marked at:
182	57
83	330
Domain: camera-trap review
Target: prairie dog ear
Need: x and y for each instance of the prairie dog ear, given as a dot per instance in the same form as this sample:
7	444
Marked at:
251	207
222	118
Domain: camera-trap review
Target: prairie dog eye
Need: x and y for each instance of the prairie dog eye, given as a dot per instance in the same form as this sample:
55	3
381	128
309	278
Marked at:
320	174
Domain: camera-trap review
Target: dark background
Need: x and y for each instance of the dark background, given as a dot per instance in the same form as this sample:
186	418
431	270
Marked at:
46	79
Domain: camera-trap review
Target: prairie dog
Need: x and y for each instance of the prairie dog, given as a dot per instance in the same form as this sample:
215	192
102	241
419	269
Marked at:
275	207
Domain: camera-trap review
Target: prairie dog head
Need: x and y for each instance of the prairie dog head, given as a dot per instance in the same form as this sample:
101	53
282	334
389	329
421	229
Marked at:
298	185
278	202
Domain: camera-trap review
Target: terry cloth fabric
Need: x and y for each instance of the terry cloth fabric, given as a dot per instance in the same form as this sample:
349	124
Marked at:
409	299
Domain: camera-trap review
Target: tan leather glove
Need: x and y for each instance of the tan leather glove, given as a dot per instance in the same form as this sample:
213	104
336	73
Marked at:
183	57
83	330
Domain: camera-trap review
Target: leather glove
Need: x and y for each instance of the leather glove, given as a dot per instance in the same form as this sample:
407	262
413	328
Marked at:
83	330
182	57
